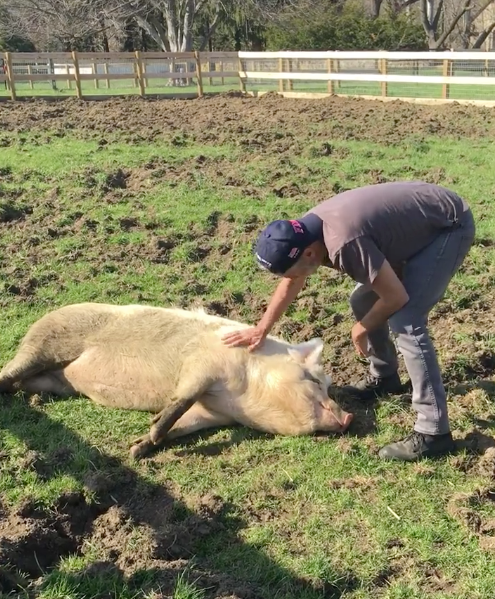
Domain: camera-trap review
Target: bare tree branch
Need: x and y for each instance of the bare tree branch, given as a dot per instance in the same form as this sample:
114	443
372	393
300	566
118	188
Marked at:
480	40
438	14
481	10
448	30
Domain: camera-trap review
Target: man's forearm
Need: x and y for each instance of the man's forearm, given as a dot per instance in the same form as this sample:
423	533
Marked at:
379	314
284	295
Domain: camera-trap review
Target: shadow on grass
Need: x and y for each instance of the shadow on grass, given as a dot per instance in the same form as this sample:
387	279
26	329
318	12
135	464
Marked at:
33	540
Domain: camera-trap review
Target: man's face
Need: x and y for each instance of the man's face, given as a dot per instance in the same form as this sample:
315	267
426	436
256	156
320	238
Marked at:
307	264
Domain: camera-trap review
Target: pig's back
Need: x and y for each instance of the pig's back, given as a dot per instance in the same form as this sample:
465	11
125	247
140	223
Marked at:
152	327
134	360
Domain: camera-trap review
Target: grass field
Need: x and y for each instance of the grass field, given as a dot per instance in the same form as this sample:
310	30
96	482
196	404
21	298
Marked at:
157	86
159	203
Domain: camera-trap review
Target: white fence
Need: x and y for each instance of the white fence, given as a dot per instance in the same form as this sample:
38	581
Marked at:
461	75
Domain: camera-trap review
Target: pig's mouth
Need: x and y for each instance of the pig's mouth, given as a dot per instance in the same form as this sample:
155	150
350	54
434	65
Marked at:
343	420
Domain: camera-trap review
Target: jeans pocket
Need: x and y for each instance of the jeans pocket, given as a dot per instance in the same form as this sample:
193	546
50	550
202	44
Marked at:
464	245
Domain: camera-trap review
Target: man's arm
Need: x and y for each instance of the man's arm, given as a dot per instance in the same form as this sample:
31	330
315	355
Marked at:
392	297
285	293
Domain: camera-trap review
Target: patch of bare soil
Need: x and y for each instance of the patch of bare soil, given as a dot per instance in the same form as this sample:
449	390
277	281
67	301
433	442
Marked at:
468	509
271	122
143	533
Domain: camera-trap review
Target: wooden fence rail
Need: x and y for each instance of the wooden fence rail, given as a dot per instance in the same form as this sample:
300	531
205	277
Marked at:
342	73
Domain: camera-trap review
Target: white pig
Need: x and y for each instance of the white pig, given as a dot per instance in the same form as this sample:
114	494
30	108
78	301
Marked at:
172	362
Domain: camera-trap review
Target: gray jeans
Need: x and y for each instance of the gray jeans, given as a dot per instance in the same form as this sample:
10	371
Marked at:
425	277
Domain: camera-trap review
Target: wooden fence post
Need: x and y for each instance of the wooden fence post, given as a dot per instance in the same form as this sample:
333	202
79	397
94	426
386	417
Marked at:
211	67
51	68
143	69
198	74
30	72
383	71
290	83
280	70
220	64
9	72
105	69
330	81
242	83
447	67
94	68
75	60
139	69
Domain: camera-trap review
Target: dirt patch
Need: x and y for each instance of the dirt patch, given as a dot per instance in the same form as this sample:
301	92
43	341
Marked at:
486	464
148	531
280	124
10	212
33	540
469	510
357	483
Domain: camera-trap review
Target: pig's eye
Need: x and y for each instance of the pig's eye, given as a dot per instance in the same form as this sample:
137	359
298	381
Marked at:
309	377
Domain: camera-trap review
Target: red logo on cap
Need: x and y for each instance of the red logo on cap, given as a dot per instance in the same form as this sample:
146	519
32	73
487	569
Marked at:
296	225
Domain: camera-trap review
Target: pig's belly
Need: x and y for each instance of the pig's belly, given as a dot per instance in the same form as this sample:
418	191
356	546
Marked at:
116	379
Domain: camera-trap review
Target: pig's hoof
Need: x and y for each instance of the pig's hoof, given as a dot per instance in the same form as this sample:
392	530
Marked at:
141	447
156	435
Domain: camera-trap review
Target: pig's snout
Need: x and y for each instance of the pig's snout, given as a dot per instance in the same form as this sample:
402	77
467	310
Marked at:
334	418
346	421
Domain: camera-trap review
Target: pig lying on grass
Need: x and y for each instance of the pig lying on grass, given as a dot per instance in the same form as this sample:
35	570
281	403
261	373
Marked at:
172	362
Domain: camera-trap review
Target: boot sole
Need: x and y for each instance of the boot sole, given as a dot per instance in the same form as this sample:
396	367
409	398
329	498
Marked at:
431	455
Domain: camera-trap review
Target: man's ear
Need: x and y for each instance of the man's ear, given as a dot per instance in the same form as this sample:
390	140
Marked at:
309	252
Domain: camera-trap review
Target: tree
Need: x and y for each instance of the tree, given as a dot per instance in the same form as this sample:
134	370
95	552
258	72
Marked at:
468	33
55	24
450	23
172	23
329	26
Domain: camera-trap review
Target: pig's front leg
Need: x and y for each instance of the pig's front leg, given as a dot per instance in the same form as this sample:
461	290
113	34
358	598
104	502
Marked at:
161	424
195	379
141	447
166	419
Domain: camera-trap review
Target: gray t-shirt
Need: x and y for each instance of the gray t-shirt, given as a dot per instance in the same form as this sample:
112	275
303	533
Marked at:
363	226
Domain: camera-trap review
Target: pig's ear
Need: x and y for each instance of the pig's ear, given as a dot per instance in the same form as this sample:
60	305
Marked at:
308	353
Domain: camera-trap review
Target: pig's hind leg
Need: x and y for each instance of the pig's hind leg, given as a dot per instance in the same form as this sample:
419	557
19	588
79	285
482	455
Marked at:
195	419
48	382
23	366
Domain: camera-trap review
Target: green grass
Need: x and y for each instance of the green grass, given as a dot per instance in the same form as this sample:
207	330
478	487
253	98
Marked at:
351	88
300	518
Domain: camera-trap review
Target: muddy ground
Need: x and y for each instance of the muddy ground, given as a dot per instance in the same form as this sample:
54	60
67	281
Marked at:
33	540
270	122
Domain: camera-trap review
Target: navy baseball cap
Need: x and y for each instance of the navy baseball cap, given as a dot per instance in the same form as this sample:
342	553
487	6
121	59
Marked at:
281	244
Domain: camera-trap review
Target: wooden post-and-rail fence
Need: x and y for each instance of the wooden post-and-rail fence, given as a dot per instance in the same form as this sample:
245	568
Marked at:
22	67
470	75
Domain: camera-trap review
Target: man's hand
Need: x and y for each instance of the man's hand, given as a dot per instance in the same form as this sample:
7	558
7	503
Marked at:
360	339
252	337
